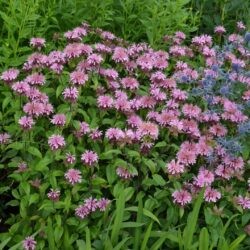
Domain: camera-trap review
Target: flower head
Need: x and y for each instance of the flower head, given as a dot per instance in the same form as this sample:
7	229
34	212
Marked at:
73	176
56	142
89	158
29	243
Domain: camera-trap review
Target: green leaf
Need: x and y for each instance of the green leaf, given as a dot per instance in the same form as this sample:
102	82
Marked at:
235	244
138	220
88	241
204	239
80	244
121	244
189	230
16	145
120	205
145	212
160	144
146	236
50	234
34	151
159	180
4	243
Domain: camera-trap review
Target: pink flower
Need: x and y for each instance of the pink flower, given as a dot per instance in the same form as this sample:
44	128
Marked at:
191	110
211	195
224	171
59	120
129	83
37	42
106	35
110	74
182	197
148	129
73	176
78	78
70	94
35	79
95	134
120	55
70	158
134	121
124	173
34	108
56	142
219	30
89	158
187	154
115	134
105	101
21	87
175	168
244	202
102	204
76	34
26	122
218	130
94	60
82	211
54	195
240	26
204	178
29	243
9	75
146	62
90	205
22	167
4	138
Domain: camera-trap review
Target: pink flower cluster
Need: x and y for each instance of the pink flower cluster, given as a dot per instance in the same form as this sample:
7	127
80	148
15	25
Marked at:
130	95
90	205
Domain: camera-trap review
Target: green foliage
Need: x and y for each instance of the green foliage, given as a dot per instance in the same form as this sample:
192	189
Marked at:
221	12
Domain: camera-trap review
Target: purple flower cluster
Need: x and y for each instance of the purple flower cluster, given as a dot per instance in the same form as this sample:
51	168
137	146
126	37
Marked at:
90	205
195	95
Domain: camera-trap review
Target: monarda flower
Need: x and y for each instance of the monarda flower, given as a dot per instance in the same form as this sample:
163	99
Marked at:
70	94
204	178
35	79
73	176
70	158
105	101
90	205
129	83
219	30
9	75
175	168
4	138
244	202
58	119
29	243
56	142
120	55
124	173
182	197
89	158
22	167
78	78
211	195
26	122
37	42
53	195
148	129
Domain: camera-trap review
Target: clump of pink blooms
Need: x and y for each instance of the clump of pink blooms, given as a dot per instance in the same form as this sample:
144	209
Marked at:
138	97
90	205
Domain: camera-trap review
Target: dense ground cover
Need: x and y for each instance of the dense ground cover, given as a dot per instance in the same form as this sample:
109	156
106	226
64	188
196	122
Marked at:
102	141
110	144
